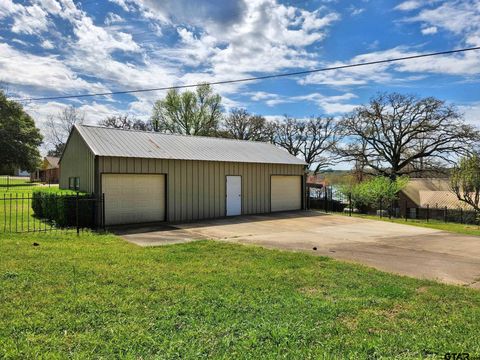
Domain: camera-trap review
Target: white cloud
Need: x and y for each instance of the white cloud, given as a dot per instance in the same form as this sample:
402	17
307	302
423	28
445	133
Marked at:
30	20
354	11
429	30
409	5
113	18
334	104
52	6
460	17
248	38
220	43
467	64
99	42
7	8
40	74
21	42
47	44
122	3
471	113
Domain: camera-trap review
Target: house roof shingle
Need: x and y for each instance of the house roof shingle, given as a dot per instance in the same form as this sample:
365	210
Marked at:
415	185
441	199
52	162
141	144
434	192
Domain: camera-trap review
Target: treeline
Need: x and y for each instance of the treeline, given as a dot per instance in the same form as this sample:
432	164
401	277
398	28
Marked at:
392	135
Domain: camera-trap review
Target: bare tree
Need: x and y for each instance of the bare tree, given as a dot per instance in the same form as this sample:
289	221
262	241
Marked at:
125	122
403	134
241	125
314	140
58	128
116	122
465	181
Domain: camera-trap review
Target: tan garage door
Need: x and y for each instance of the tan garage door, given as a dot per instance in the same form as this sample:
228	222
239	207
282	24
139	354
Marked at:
133	198
286	193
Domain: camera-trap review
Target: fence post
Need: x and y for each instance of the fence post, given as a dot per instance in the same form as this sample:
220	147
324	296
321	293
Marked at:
325	198
76	214
428	212
4	212
461	215
330	194
8	182
309	199
349	204
103	212
406	211
445	214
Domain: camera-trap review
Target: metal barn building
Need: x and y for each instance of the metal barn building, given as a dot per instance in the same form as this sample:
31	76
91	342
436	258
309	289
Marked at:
150	177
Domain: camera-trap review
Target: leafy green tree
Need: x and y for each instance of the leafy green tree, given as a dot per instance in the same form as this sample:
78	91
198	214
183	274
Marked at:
188	113
375	191
465	181
19	138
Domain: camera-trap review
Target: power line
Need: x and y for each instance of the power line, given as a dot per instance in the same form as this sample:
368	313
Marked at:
303	72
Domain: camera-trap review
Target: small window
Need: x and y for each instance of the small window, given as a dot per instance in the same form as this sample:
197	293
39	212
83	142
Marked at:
74	183
413	213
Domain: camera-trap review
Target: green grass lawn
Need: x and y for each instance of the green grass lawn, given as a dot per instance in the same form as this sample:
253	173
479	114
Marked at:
433	224
28	189
96	296
17	184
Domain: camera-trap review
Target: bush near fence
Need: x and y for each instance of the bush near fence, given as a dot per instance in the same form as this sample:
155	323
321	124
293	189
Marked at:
61	210
328	200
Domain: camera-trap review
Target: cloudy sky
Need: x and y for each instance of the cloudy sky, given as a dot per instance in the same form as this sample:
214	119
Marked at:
60	47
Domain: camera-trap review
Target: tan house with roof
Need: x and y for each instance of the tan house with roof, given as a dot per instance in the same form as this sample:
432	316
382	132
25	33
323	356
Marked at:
432	193
48	172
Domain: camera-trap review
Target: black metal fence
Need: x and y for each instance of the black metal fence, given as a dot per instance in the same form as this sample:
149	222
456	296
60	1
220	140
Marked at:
330	199
16	183
44	211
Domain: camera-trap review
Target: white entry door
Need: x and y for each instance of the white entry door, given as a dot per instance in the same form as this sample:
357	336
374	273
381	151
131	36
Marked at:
234	195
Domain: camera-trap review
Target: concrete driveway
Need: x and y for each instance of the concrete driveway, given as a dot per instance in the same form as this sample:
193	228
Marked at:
396	248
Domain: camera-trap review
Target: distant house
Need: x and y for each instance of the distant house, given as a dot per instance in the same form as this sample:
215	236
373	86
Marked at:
48	172
432	193
316	181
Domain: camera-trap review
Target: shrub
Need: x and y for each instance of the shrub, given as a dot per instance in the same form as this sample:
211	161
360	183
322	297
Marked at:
372	192
61	210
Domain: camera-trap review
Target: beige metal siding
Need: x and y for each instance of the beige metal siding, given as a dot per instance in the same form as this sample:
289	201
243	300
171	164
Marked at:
133	198
78	161
286	193
196	189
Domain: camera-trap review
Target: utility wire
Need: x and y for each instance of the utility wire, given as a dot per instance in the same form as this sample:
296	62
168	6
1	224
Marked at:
303	72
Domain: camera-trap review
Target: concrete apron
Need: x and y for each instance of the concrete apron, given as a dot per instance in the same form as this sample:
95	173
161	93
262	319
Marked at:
402	249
